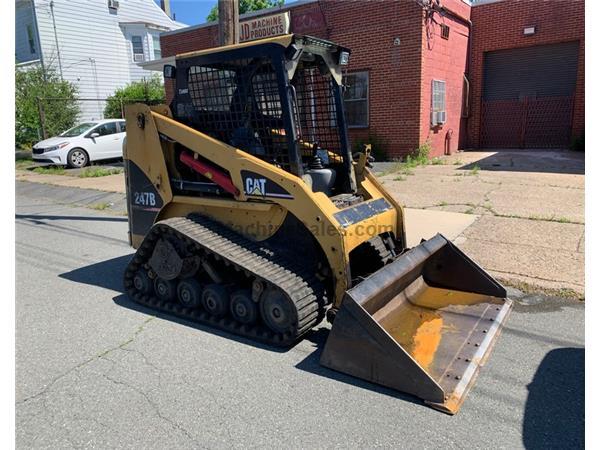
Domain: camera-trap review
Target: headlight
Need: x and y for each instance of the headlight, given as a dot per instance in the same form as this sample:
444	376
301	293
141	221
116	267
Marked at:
344	58
56	147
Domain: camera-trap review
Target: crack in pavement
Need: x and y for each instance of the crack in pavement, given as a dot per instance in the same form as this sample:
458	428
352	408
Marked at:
87	361
517	244
580	241
174	424
493	213
534	277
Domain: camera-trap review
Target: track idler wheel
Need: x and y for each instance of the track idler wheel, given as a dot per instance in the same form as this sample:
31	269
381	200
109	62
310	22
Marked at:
277	311
215	299
142	282
243	309
165	290
189	293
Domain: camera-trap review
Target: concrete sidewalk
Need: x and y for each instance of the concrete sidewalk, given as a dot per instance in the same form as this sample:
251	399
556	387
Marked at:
528	206
520	215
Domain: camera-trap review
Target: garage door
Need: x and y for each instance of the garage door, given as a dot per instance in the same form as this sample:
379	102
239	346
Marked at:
528	96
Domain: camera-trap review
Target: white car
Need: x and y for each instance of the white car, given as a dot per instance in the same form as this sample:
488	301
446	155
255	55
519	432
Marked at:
86	142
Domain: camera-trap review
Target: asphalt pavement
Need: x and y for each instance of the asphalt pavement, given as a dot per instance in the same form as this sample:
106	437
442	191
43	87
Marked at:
93	369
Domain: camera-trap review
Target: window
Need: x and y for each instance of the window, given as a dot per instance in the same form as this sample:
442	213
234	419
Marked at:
138	48
156	45
122	126
438	103
444	31
356	99
31	39
438	96
78	129
106	128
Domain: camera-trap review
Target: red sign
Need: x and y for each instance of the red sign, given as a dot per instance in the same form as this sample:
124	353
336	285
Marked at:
308	21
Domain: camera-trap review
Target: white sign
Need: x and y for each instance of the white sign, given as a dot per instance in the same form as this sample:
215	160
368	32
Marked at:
265	27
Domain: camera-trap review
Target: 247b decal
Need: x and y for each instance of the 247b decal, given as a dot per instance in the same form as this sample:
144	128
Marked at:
144	198
258	185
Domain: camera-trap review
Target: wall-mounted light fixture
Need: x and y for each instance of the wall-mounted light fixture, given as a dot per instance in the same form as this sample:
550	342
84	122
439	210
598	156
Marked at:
528	31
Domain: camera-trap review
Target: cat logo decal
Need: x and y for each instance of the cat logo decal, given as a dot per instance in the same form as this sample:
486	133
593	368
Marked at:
259	186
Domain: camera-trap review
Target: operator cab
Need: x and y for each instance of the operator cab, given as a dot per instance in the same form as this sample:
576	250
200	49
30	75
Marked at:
278	99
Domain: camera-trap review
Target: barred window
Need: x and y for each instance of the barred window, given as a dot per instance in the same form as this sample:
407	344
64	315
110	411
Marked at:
356	99
438	96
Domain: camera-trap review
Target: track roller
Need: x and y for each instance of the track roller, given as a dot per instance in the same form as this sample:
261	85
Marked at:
243	309
165	289
189	293
142	282
215	299
277	311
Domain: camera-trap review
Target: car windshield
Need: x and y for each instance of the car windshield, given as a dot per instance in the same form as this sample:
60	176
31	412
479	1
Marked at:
77	130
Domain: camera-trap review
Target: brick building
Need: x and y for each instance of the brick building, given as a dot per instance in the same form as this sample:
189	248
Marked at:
416	70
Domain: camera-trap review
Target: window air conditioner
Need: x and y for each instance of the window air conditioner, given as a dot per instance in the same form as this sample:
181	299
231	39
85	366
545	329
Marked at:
113	4
441	117
438	118
138	57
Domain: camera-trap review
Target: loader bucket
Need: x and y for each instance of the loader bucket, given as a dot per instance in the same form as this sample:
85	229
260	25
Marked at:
424	324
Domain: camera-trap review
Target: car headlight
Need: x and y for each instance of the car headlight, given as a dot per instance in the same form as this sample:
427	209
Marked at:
56	147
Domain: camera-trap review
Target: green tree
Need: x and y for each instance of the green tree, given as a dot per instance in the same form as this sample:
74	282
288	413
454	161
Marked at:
148	90
245	6
60	115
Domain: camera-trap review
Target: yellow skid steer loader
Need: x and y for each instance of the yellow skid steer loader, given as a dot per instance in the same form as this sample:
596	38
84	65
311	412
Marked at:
250	213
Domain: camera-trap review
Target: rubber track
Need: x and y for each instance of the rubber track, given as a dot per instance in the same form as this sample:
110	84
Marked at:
304	289
379	247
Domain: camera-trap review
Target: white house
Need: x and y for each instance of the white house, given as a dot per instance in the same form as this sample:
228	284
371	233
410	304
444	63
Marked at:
96	44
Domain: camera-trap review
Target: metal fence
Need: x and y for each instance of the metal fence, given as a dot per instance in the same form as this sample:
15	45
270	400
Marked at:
90	109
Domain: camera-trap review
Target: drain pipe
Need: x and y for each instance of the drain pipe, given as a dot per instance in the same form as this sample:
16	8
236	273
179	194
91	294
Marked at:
448	142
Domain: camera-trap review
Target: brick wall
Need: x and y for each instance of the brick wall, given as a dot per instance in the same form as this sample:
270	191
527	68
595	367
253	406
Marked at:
390	41
369	30
555	21
445	60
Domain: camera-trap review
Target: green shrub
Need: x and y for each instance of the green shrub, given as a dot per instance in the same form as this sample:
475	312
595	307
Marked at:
149	90
578	143
421	155
378	146
35	83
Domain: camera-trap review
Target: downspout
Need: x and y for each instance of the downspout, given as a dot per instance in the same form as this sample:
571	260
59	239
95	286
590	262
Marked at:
469	25
56	40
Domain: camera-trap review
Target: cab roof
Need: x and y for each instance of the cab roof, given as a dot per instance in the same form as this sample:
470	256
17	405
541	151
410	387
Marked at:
283	40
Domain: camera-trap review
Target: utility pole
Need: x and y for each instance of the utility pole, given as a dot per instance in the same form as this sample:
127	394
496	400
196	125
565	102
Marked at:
229	22
42	115
60	71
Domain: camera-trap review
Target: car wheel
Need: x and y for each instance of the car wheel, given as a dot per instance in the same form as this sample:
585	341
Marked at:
77	158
